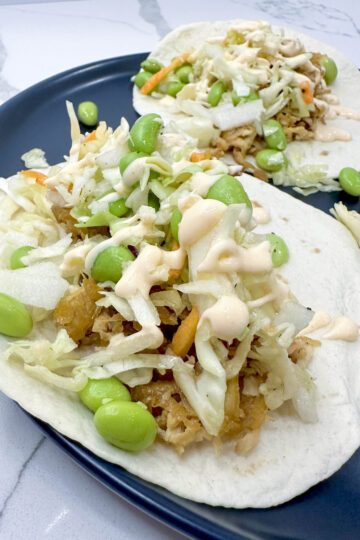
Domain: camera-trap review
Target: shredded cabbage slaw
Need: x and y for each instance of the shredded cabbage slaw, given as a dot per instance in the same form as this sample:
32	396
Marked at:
206	276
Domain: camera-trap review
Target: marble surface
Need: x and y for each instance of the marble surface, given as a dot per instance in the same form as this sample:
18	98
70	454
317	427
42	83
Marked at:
43	494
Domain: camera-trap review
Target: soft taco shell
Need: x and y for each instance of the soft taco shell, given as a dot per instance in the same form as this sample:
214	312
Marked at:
291	456
335	155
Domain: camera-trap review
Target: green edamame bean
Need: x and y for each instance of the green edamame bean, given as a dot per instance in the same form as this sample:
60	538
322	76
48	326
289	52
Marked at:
174	223
174	88
153	201
349	179
108	265
151	65
274	135
183	73
15	320
271	160
118	208
330	69
17	255
279	250
144	133
96	390
141	78
88	113
126	425
215	93
129	158
229	190
243	99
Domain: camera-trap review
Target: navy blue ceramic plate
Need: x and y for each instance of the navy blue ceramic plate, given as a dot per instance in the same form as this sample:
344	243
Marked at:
329	511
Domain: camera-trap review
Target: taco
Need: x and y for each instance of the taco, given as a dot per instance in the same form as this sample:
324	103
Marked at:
233	84
154	277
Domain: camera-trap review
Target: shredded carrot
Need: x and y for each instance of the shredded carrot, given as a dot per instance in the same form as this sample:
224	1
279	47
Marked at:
306	92
164	72
185	334
91	136
173	273
39	177
200	156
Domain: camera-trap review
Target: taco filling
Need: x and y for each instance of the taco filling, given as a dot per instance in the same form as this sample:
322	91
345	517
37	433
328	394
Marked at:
255	90
158	313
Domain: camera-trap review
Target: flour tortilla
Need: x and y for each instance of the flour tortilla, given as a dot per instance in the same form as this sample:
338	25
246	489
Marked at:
346	87
291	456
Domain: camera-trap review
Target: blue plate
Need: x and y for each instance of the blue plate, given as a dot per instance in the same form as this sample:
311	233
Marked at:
330	510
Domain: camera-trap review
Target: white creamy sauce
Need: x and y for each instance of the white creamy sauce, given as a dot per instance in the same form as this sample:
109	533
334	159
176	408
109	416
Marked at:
198	220
280	288
202	182
319	320
252	304
227	317
331	99
340	328
260	214
330	134
74	260
227	256
290	47
150	267
346	112
139	230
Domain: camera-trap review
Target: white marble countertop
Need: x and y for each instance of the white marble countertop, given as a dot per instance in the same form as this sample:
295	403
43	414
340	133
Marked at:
43	494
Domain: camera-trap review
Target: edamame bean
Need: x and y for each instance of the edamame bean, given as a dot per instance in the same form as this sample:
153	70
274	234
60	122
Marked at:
129	158
174	88
153	201
228	190
118	208
144	133
108	265
330	69
141	78
274	135
88	113
126	425
96	390
215	93
183	73
17	255
349	179
15	320
271	160
243	99
151	65
279	250
174	223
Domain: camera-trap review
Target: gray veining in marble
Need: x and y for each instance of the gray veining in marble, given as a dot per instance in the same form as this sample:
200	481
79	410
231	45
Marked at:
325	18
20	474
112	18
150	11
6	90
